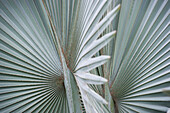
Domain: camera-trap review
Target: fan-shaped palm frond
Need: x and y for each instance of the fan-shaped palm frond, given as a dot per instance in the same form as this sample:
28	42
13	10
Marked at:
42	65
139	67
53	55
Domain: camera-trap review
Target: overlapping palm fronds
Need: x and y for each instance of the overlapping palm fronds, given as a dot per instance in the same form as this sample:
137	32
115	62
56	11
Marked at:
73	56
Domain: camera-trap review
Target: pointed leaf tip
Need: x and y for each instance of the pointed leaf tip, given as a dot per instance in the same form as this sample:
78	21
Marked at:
118	6
91	78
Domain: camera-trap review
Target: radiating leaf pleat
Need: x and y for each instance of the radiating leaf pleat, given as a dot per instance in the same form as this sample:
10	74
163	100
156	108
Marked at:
140	65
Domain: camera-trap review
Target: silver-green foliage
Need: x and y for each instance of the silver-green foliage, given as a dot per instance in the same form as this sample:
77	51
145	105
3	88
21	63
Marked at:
53	56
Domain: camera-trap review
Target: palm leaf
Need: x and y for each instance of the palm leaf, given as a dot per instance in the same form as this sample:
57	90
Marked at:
34	57
53	56
139	64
